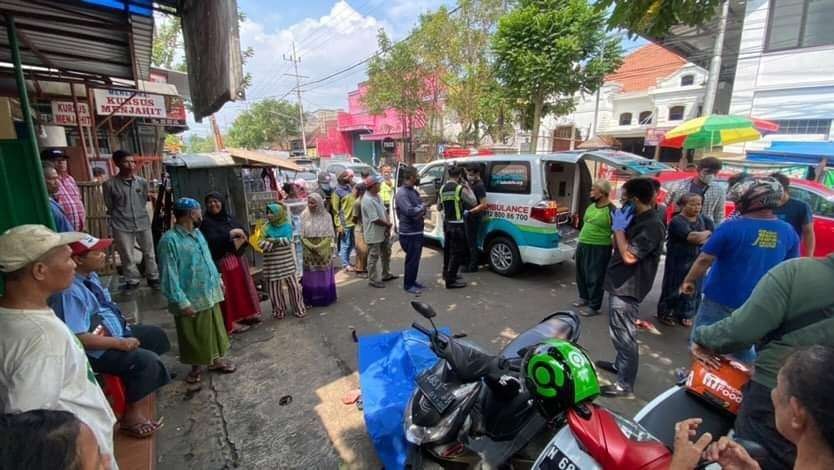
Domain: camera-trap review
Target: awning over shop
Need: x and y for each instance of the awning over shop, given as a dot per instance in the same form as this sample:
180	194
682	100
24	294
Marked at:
78	39
808	153
382	136
253	156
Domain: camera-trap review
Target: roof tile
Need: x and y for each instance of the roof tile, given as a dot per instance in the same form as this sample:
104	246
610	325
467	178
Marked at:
644	67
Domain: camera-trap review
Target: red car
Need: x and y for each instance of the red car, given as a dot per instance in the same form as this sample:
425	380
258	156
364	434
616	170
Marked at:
819	197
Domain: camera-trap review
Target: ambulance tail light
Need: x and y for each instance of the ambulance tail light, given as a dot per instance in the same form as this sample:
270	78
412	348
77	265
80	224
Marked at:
545	211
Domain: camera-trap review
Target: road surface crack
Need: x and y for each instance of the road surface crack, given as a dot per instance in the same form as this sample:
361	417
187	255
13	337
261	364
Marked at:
224	426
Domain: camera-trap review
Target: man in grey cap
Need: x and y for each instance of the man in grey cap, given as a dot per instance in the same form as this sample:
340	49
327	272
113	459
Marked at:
44	365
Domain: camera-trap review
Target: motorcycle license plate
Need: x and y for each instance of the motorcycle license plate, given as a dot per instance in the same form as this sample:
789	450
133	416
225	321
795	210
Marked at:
556	460
436	391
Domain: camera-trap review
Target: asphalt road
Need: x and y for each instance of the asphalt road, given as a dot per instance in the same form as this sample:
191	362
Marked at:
492	311
236	421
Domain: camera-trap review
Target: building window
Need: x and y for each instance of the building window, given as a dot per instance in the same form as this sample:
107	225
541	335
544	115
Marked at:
676	113
625	119
645	118
687	80
804	126
799	23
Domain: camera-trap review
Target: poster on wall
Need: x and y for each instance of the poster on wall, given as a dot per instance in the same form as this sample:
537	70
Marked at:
129	103
63	113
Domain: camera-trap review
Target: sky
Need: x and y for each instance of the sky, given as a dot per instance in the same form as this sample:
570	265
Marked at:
329	36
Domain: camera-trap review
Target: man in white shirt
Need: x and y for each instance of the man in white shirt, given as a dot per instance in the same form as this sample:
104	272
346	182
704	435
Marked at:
42	364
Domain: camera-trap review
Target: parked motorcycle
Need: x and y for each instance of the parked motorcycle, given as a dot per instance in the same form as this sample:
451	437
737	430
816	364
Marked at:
471	407
529	407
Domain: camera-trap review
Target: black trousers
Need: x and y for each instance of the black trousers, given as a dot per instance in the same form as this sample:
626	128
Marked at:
622	311
473	224
141	370
455	241
591	264
756	421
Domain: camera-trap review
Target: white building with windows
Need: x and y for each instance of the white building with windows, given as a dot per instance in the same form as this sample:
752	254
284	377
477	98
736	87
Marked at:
785	69
654	90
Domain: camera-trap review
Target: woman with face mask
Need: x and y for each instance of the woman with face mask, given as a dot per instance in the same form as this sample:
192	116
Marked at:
594	249
279	262
686	233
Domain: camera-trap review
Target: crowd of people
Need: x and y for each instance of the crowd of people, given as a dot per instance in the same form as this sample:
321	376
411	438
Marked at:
735	282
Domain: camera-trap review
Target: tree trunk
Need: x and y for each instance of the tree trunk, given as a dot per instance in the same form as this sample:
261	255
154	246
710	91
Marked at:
538	104
476	136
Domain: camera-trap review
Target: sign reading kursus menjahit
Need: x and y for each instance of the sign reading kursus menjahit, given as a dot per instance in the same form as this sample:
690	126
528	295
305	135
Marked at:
128	103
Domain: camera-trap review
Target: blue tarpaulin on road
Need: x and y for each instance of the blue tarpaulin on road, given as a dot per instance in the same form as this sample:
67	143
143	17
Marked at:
388	365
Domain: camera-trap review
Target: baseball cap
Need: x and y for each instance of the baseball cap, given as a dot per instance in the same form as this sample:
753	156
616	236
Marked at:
53	154
89	243
25	244
373	180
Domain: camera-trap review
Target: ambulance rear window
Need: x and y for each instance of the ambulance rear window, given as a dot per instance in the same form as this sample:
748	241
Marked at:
509	177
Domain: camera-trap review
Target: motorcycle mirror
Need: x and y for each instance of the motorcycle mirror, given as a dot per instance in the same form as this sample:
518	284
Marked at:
424	309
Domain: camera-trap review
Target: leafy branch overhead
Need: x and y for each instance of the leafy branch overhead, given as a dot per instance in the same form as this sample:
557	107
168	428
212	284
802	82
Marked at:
547	51
268	122
656	17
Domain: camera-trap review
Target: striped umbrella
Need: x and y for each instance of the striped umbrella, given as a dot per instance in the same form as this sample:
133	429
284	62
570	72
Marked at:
717	129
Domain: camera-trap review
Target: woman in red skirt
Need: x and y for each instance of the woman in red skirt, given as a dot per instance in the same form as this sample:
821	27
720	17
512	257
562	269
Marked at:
227	240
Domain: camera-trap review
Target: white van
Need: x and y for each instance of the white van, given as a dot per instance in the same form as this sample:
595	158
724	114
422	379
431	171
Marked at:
534	202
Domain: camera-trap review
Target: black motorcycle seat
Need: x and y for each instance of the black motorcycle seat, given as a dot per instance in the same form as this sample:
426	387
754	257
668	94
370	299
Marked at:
680	405
469	363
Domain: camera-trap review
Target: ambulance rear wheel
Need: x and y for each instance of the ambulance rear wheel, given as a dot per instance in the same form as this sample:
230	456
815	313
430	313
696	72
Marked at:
504	257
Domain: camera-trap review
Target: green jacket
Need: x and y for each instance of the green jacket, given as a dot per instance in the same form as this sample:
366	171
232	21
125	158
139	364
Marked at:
343	209
787	292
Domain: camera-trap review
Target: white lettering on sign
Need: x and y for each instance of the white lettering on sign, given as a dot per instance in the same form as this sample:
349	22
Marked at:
126	103
63	113
501	211
722	388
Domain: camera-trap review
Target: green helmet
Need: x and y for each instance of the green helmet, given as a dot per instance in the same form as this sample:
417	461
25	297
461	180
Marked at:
559	375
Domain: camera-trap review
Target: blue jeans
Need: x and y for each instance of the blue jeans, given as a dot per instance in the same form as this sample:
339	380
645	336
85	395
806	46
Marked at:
413	247
348	243
710	312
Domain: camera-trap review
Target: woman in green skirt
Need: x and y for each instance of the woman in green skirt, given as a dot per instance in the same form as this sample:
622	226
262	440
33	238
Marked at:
192	285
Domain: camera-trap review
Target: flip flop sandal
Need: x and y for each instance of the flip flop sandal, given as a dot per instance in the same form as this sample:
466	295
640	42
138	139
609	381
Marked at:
687	322
223	368
668	321
240	329
142	430
193	378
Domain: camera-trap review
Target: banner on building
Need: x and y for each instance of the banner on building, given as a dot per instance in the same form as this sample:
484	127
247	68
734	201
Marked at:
654	136
129	103
63	113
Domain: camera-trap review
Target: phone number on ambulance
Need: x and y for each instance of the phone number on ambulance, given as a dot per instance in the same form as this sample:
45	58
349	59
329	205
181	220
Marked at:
501	211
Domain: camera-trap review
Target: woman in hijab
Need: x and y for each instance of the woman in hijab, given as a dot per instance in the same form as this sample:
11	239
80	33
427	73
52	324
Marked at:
279	262
319	240
226	239
359	239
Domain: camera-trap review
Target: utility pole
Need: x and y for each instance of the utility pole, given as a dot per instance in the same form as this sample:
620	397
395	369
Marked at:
715	64
295	61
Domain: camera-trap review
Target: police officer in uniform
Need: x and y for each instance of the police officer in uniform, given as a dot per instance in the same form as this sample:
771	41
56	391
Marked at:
455	201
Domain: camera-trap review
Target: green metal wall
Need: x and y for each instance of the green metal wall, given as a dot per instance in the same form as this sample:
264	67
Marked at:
23	198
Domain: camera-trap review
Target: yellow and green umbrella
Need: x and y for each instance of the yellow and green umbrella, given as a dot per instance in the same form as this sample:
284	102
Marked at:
716	129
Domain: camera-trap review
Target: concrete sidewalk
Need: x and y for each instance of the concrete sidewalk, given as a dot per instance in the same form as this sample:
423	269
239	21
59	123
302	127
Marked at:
235	420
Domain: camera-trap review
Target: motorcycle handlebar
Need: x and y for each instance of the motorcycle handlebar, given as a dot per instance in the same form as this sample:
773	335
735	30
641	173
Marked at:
421	329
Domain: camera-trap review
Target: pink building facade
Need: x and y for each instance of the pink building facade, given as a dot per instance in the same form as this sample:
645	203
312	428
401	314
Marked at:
359	133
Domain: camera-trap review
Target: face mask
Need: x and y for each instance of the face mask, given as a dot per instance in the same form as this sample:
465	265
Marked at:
707	179
628	204
594	199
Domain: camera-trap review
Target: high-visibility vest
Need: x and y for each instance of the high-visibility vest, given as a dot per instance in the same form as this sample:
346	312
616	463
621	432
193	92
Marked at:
450	198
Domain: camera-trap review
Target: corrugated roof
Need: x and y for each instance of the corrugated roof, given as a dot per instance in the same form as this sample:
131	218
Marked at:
644	67
88	40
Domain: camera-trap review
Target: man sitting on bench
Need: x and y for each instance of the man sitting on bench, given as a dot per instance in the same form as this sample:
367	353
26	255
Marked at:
130	352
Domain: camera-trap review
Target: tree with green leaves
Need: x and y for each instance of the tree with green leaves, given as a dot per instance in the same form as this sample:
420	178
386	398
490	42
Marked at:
547	51
267	122
397	80
472	90
167	48
656	17
199	144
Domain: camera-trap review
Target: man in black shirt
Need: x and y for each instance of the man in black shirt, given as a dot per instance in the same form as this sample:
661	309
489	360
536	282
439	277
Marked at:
797	213
474	216
638	238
